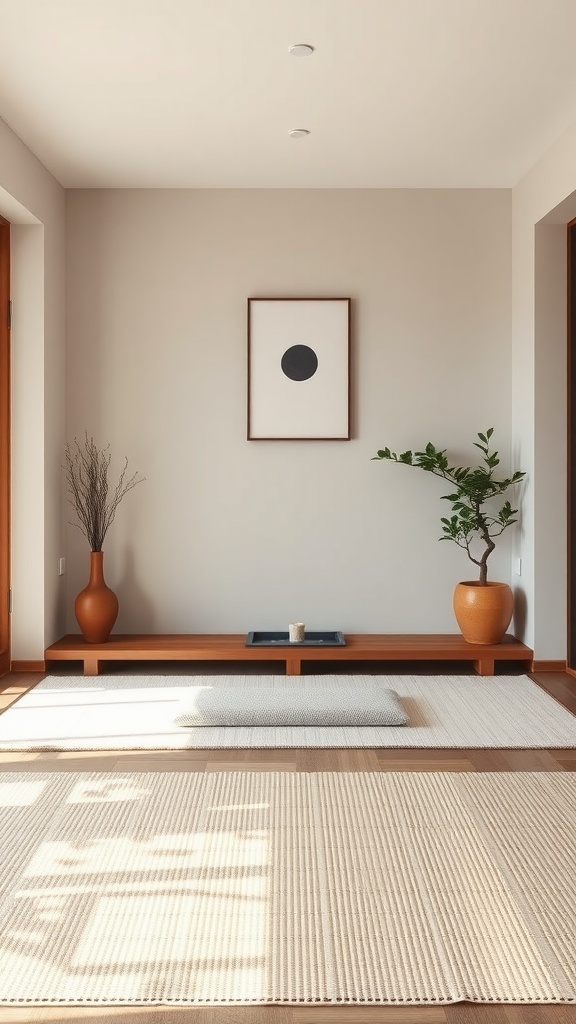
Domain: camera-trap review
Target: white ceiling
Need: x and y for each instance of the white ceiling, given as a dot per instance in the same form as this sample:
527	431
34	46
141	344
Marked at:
202	93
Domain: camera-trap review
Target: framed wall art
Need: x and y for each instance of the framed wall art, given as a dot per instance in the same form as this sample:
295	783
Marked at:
299	369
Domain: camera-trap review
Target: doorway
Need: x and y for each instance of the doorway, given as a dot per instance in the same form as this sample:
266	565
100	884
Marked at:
571	659
4	446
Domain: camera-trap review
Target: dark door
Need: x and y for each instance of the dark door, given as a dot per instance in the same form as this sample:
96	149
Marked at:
571	660
4	446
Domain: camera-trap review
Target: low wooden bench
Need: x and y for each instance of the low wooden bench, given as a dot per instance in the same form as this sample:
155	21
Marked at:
231	647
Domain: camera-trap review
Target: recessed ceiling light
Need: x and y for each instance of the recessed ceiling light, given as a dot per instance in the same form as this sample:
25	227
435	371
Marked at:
298	133
301	50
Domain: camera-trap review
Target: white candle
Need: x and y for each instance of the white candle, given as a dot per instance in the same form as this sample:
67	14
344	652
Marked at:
296	632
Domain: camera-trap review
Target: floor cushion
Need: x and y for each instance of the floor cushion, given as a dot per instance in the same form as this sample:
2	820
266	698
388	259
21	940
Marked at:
290	705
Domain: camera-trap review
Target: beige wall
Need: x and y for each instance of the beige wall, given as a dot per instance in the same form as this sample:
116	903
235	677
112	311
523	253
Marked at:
34	203
543	203
228	534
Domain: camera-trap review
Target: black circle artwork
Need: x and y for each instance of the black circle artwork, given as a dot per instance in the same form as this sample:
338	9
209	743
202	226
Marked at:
299	362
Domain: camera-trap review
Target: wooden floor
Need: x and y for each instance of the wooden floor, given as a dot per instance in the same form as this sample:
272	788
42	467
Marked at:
560	685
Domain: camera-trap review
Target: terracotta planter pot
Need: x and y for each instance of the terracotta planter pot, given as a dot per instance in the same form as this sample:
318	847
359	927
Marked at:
483	612
96	606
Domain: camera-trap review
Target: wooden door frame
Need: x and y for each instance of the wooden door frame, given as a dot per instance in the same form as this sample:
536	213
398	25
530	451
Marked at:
571	444
5	390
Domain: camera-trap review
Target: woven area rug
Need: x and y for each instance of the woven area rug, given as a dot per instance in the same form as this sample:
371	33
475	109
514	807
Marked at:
134	712
215	888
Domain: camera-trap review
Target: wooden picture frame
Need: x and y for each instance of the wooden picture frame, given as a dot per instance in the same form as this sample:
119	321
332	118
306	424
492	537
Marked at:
299	369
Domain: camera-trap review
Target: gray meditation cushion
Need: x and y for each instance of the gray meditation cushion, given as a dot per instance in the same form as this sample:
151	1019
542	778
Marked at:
291	705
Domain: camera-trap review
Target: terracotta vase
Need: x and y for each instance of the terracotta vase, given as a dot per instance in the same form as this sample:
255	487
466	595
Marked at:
483	612
96	606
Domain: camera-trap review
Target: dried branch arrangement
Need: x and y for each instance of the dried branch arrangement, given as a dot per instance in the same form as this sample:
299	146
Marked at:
87	468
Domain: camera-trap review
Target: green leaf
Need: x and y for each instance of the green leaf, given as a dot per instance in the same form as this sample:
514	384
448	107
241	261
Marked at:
473	521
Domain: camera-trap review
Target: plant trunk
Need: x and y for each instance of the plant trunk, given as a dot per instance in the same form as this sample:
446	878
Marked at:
490	545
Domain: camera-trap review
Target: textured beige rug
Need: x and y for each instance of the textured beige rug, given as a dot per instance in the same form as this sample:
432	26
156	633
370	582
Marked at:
220	888
138	712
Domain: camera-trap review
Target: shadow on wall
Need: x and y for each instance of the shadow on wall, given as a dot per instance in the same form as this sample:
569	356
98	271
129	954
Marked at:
134	599
520	613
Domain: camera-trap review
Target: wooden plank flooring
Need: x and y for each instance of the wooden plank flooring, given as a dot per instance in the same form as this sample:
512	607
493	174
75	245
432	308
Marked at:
558	684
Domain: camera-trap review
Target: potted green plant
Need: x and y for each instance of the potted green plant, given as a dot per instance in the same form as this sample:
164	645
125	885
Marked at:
483	609
95	504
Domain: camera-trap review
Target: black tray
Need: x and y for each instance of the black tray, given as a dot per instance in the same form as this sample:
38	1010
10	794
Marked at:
331	638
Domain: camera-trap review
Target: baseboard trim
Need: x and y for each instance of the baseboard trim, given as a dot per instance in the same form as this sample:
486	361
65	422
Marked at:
28	666
549	666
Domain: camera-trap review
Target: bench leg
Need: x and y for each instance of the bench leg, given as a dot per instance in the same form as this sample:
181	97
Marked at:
293	666
485	667
91	667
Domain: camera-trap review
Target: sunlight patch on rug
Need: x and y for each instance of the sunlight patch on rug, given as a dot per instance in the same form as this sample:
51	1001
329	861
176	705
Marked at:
237	888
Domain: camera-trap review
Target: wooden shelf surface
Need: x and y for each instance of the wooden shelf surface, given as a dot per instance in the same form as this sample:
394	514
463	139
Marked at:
232	647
